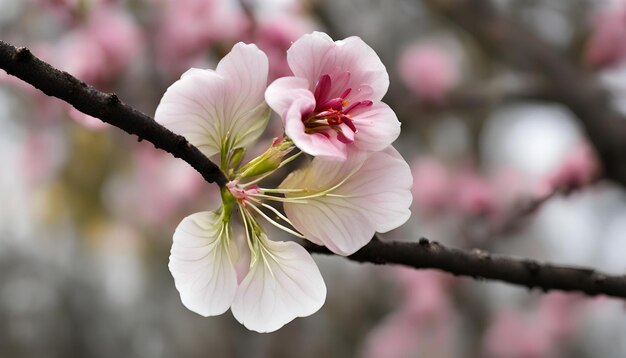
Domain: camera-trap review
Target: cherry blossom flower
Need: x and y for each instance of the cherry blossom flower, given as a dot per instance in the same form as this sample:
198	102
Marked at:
274	35
433	186
189	27
265	283
340	204
428	71
606	46
333	101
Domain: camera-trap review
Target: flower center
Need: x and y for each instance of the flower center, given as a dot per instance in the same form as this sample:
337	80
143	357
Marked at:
241	194
332	114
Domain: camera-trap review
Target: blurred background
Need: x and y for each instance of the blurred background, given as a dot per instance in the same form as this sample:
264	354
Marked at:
87	212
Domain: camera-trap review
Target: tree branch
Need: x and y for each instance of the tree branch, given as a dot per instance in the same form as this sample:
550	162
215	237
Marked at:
502	37
423	254
21	63
479	264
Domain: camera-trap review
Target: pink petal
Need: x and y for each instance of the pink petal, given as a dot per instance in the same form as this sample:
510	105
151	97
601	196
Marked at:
315	144
283	283
283	92
202	264
378	127
315	54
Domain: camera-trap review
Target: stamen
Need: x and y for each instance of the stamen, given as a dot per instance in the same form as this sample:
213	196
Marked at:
284	228
348	121
343	139
334	103
330	113
322	89
366	103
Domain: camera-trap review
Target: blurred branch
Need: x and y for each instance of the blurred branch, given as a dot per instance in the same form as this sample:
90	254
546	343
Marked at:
502	37
472	98
21	63
479	264
423	254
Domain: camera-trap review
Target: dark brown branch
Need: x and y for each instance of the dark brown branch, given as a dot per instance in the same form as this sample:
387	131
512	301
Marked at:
479	264
424	254
500	36
21	63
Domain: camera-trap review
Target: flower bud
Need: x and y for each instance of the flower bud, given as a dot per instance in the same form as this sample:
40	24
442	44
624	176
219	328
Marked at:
268	161
236	157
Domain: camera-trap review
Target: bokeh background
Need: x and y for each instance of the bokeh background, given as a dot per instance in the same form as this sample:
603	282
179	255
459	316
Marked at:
87	212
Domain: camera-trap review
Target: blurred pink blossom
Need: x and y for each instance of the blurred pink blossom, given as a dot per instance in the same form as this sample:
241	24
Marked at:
511	335
607	43
117	35
189	27
275	35
475	195
158	186
579	168
428	71
41	157
556	314
538	334
432	184
85	120
421	325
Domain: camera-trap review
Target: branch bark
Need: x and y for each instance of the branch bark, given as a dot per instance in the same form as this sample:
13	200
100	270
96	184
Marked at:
502	37
479	264
423	254
21	63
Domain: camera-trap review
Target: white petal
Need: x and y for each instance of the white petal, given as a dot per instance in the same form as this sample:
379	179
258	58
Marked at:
283	283
245	69
368	193
207	107
192	106
202	262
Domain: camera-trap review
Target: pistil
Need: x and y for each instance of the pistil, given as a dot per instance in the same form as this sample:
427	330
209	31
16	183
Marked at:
330	113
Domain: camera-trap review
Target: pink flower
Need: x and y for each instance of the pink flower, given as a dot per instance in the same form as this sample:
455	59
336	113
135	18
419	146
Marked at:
117	35
333	102
423	322
475	195
265	283
189	26
578	169
607	44
432	185
512	335
428	71
275	35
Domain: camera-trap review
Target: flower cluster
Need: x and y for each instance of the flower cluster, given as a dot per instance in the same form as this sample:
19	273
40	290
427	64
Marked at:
356	184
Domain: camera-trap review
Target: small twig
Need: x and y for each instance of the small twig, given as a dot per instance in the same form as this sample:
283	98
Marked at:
479	264
21	63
